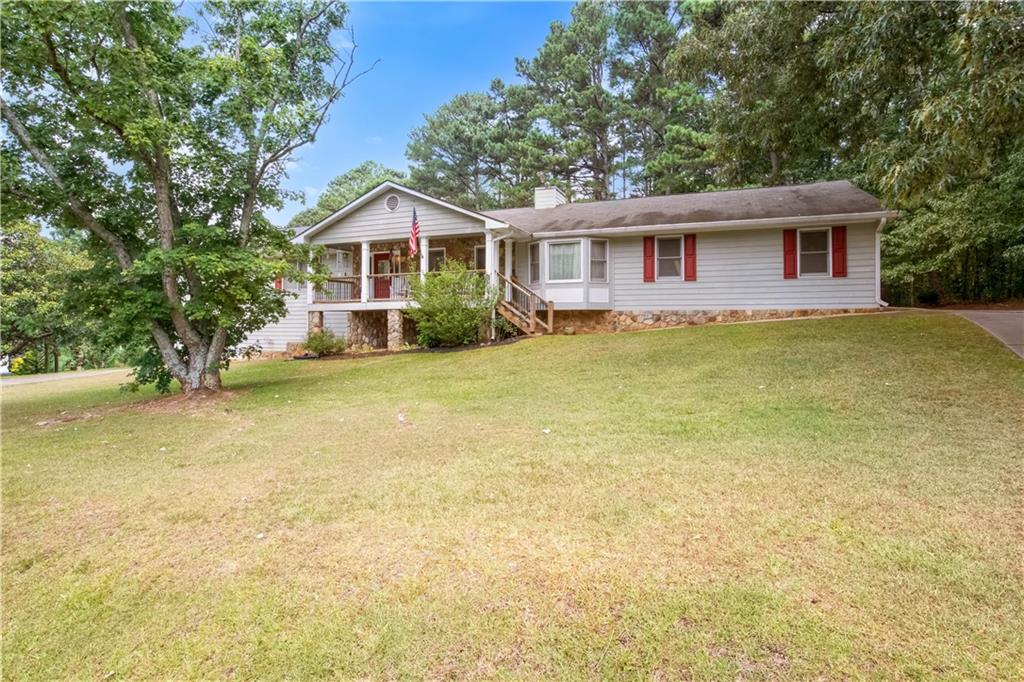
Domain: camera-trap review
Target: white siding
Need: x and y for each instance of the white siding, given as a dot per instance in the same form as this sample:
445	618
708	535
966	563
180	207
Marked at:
293	327
743	270
372	221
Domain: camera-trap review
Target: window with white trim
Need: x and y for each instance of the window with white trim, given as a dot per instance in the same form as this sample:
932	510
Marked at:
435	259
598	260
813	250
534	262
564	261
670	257
480	257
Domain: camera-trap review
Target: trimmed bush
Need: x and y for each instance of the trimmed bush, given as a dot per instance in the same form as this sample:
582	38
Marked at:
453	304
324	343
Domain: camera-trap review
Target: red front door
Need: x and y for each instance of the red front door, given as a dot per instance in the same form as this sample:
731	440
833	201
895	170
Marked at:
382	266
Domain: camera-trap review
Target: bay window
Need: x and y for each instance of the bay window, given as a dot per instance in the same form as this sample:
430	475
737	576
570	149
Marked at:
564	261
598	260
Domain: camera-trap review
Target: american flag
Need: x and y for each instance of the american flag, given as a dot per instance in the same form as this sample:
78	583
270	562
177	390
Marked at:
414	235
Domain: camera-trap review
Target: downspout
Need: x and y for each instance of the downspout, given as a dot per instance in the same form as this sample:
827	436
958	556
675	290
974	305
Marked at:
878	262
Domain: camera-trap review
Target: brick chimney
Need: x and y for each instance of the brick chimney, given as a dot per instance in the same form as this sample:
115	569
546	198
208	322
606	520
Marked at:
547	197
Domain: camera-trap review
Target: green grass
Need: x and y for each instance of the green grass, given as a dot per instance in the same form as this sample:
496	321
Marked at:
821	498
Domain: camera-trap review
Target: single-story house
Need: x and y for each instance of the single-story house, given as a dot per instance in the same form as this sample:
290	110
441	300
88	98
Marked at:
603	265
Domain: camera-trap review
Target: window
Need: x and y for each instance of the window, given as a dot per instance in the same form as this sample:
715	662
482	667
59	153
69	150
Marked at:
435	259
480	257
813	252
564	261
392	202
670	257
598	260
534	262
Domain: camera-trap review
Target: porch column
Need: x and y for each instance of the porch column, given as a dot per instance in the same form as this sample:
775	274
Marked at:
491	259
424	257
364	273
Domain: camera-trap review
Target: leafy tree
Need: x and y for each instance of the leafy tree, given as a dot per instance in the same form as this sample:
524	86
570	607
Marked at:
345	188
666	136
35	278
448	153
920	102
570	75
164	152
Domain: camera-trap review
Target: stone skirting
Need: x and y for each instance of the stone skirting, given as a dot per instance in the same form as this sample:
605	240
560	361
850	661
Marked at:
594	321
368	328
389	329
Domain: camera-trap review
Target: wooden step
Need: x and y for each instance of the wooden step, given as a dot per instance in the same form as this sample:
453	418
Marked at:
516	318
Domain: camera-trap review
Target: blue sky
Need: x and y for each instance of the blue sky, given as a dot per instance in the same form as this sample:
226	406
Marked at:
429	52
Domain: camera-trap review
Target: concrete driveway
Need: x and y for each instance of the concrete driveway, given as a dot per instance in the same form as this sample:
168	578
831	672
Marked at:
59	376
1005	325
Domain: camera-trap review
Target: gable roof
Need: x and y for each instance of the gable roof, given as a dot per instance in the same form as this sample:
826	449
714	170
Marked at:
767	203
490	222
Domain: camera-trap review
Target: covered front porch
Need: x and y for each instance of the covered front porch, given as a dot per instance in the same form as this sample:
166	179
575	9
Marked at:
376	275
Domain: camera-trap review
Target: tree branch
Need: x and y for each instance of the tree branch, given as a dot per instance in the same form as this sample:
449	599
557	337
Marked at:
77	206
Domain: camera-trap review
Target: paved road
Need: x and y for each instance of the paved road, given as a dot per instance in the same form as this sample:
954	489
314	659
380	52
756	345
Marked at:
1005	325
60	376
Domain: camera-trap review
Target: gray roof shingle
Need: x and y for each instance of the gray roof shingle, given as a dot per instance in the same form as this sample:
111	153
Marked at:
789	201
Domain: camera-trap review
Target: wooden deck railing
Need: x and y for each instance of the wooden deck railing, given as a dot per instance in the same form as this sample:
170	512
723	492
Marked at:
526	305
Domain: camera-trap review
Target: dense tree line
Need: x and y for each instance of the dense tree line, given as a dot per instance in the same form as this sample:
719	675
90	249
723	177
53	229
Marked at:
921	103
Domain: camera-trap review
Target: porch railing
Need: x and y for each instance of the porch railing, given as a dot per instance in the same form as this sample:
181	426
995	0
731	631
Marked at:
338	290
391	287
527	309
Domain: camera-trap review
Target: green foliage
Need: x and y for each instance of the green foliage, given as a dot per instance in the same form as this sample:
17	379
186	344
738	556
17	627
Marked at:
324	343
345	188
597	114
921	102
36	275
452	305
449	152
162	150
503	329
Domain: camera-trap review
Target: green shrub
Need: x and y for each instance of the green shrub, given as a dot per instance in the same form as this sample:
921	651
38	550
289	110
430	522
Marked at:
452	306
504	329
324	343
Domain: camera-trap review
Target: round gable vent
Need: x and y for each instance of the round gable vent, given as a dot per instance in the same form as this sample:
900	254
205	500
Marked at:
392	202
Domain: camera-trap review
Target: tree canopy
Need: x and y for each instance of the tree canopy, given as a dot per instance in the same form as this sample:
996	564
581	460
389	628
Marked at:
921	103
162	148
344	188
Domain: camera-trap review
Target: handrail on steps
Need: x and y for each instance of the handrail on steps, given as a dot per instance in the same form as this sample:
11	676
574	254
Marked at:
527	304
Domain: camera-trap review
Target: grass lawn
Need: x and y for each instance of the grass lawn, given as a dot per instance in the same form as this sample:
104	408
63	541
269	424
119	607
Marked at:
834	498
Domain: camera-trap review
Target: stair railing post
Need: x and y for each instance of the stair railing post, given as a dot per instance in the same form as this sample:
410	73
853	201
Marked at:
551	317
533	313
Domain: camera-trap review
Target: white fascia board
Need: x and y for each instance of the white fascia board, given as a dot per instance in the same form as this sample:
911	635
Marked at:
721	225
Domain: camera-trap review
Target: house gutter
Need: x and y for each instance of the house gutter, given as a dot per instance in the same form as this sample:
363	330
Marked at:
723	225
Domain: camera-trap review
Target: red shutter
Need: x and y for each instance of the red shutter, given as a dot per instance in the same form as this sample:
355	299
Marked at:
839	251
690	257
648	259
278	284
789	254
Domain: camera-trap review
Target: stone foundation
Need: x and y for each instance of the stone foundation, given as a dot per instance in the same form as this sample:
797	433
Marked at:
368	328
389	329
594	321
